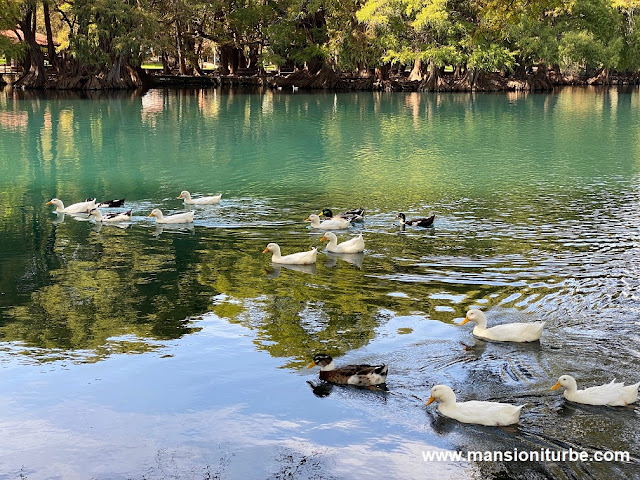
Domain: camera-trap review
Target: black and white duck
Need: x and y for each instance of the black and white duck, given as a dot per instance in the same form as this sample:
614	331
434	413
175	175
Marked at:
353	215
362	375
416	222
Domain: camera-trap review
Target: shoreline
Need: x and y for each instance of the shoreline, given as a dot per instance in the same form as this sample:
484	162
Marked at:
330	81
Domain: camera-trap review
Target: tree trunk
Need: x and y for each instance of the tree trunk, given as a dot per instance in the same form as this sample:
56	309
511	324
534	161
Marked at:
182	64
36	76
225	52
165	63
51	48
418	72
382	72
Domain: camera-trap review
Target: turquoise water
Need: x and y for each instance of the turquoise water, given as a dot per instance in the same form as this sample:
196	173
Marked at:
155	352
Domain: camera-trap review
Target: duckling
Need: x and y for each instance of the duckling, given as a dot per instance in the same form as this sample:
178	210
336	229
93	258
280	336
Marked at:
416	222
362	375
353	215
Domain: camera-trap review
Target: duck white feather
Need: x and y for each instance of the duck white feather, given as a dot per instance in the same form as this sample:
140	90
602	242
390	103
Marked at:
478	412
355	245
81	207
612	394
509	332
110	217
186	217
335	223
301	258
200	200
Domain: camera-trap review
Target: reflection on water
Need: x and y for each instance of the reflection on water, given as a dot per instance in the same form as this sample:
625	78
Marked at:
537	211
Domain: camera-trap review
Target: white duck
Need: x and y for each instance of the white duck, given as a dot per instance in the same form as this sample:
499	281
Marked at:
613	394
478	412
355	245
186	217
110	217
509	332
81	207
333	224
301	258
200	200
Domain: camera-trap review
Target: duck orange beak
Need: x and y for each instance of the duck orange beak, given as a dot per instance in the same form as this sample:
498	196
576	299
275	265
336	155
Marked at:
466	319
180	196
265	250
323	239
48	203
431	400
311	365
556	386
307	219
150	215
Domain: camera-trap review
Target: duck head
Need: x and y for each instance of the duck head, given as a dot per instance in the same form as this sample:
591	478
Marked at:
566	381
476	316
272	247
184	194
58	203
326	212
442	394
156	212
314	219
402	218
322	360
328	237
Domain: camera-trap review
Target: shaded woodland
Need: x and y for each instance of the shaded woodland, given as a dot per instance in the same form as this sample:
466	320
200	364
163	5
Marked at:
442	45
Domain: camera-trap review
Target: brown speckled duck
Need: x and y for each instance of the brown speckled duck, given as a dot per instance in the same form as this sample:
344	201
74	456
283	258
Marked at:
361	375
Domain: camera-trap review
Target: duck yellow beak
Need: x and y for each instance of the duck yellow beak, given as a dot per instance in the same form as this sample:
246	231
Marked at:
150	215
466	319
311	365
431	400
556	386
48	203
265	250
307	219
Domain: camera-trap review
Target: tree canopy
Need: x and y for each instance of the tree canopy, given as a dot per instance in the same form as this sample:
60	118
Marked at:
106	41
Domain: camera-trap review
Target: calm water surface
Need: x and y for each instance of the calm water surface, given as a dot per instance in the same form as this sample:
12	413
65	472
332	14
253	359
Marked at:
180	352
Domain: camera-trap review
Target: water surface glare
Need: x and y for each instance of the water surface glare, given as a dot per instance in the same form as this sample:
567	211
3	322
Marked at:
155	351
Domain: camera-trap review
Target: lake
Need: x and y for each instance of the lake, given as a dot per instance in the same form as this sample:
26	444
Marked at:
152	352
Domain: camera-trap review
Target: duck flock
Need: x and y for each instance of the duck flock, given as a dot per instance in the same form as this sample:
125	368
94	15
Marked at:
476	412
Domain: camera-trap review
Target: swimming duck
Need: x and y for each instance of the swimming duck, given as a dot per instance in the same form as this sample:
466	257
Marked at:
613	394
200	200
333	224
474	411
186	217
416	222
509	332
353	215
355	245
110	217
81	207
301	258
109	203
362	375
